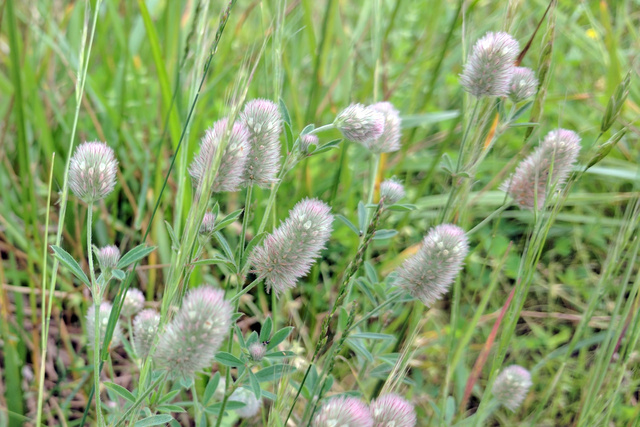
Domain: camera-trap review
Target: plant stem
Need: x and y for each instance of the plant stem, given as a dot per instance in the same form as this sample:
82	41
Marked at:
196	405
140	399
245	222
322	129
97	293
246	289
373	173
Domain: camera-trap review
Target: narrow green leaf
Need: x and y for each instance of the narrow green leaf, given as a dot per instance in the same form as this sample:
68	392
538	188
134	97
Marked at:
65	258
279	336
175	244
210	390
228	219
255	384
349	224
154	420
135	254
265	330
119	274
274	372
228	359
285	112
384	234
362	215
120	391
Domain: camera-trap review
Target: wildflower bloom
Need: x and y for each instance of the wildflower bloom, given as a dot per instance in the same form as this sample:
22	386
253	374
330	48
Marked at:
105	312
133	302
391	410
234	159
289	252
429	273
145	328
556	155
195	334
511	386
108	257
306	141
524	84
360	124
92	171
490	66
389	141
208	224
391	191
343	412
264	123
251	404
257	351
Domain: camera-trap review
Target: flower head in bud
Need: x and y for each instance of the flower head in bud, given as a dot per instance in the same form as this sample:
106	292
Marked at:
360	124
92	171
523	84
145	328
490	66
389	141
343	412
511	386
195	334
264	123
391	410
556	155
257	351
251	404
133	302
289	252
232	166
429	273
208	224
108	257
391	191
306	141
105	312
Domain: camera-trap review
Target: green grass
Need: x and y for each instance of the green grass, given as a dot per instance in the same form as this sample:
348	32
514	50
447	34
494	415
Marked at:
575	272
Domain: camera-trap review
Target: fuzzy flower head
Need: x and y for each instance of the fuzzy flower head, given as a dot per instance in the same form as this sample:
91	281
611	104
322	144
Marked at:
251	404
306	141
391	191
428	274
133	302
105	312
490	67
389	141
524	84
264	123
145	328
108	257
257	351
232	166
391	410
195	334
549	165
288	253
343	412
511	386
360	124
208	224
92	171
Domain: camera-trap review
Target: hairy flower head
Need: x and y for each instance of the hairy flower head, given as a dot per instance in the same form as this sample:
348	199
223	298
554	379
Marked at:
145	328
257	350
208	224
428	274
389	141
306	141
511	386
391	191
490	65
133	302
289	252
105	312
524	84
549	165
391	410
359	123
343	412
264	123
232	166
108	257
92	171
251	404
194	335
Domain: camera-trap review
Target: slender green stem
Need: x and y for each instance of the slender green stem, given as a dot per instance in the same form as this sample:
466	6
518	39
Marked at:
228	391
245	221
196	405
140	399
392	299
373	173
246	289
322	129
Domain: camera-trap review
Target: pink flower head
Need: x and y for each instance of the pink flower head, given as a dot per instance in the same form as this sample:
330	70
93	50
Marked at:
264	123
133	302
343	412
195	334
391	410
389	141
257	350
306	141
232	165
360	124
208	224
105	312
145	328
251	404
391	191
108	257
428	274
92	171
511	386
524	84
289	252
490	66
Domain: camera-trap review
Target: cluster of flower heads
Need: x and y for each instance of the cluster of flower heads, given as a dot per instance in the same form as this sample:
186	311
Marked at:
376	127
103	319
511	386
491	69
428	274
252	153
92	171
548	166
194	335
390	410
288	253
